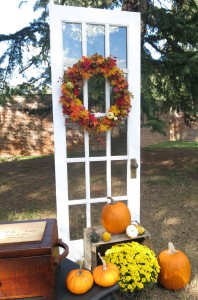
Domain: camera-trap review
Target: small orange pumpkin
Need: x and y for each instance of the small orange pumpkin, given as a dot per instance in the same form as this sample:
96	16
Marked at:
79	281
106	274
175	268
115	216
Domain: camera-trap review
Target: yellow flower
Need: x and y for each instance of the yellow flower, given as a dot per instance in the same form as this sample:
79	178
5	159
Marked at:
128	278
103	127
78	102
140	285
137	264
115	110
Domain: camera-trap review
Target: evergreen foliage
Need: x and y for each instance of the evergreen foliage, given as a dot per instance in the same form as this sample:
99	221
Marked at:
169	78
170	81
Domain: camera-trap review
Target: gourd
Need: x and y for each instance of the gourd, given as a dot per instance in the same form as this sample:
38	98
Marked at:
106	274
106	236
141	229
94	236
175	268
115	216
131	231
79	281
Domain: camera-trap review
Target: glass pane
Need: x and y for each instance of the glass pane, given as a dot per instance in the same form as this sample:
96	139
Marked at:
119	139
119	178
72	43
96	209
75	139
118	45
76	180
77	221
95	39
98	179
96	94
97	145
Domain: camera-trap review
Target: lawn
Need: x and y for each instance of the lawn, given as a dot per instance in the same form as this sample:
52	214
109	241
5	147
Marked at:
169	193
172	144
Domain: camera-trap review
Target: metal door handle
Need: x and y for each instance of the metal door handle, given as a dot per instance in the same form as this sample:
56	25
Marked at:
133	167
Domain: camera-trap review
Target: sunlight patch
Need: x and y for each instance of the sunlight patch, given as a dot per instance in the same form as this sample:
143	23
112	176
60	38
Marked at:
192	287
172	221
167	162
160	214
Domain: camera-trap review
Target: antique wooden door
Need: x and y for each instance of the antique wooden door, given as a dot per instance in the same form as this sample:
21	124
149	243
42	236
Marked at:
88	170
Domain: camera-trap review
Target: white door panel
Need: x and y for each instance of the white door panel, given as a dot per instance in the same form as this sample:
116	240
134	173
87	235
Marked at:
101	171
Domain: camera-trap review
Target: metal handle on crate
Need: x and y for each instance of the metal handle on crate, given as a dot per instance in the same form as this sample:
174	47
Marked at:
58	258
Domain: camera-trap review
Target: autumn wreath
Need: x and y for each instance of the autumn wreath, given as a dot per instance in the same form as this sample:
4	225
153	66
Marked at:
73	82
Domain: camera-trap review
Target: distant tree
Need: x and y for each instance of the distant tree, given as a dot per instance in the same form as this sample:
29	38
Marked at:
169	54
27	48
34	41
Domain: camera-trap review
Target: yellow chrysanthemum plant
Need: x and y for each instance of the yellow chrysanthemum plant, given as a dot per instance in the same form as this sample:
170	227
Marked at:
73	81
137	264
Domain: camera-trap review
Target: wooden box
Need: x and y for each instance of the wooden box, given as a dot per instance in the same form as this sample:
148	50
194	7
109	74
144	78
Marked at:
27	259
91	249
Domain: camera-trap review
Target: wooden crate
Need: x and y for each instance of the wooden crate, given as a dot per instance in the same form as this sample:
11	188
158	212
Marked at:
27	264
91	249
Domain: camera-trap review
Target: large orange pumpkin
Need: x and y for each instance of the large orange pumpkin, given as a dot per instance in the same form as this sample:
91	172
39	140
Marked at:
106	274
115	216
79	281
175	268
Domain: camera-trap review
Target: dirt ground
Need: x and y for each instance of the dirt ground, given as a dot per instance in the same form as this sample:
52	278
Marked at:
169	210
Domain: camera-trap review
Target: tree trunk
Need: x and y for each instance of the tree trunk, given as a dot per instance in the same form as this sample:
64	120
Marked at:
135	5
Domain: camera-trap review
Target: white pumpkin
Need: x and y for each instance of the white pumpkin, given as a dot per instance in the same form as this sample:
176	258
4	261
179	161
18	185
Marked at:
132	231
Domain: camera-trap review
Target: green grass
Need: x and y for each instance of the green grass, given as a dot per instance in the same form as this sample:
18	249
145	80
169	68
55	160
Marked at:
161	145
171	144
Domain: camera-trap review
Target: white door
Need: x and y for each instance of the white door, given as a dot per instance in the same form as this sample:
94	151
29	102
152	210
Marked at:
87	171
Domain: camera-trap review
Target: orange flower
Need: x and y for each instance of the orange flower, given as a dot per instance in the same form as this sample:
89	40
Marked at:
75	112
85	75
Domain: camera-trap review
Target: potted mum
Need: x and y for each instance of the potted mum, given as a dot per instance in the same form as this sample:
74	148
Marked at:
138	266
